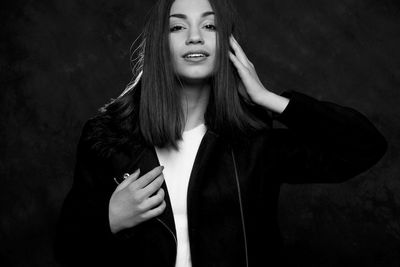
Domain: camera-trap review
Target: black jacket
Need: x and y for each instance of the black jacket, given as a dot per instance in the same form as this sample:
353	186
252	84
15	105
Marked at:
233	190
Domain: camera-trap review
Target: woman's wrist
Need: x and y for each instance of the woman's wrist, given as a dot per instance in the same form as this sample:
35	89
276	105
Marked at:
272	101
114	227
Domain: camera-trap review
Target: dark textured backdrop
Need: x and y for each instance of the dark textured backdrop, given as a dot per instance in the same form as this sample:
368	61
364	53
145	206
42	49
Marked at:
61	60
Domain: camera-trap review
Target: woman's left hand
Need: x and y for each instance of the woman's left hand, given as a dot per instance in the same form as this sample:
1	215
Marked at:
247	72
254	88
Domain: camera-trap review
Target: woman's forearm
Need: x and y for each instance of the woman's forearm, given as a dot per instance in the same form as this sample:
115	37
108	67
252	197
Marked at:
272	101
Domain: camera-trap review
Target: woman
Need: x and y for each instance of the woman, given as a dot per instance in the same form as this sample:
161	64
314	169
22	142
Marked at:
183	170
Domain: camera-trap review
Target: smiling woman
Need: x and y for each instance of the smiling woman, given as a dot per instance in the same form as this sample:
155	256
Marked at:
193	39
182	169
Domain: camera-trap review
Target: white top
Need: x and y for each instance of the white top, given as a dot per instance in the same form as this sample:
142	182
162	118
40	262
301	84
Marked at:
178	166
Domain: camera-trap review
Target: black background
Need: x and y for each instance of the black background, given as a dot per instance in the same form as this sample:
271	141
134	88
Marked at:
61	60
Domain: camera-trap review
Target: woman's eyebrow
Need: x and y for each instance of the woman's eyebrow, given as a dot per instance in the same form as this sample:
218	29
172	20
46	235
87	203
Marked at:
183	16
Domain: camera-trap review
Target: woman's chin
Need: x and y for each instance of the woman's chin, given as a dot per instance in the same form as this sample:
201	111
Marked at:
194	79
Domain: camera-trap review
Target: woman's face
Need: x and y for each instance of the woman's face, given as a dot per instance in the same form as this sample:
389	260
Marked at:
192	39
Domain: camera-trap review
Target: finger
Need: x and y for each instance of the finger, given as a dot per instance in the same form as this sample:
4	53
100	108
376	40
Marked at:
152	187
242	54
155	200
241	69
128	180
239	52
148	177
154	212
244	94
239	66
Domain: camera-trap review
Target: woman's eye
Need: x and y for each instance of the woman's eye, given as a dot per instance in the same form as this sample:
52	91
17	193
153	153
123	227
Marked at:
175	28
210	27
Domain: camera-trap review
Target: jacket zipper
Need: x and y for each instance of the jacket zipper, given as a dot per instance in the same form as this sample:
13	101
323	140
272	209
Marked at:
241	208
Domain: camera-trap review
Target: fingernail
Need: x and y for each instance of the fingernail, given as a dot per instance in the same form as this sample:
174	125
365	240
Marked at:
137	171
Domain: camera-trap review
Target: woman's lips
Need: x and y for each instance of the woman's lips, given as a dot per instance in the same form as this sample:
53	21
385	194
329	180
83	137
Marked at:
195	59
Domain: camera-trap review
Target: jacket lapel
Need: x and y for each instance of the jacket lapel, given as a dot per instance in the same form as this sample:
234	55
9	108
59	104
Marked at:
204	156
148	162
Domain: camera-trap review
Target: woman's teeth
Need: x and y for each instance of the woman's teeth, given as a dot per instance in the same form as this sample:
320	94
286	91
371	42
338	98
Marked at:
195	55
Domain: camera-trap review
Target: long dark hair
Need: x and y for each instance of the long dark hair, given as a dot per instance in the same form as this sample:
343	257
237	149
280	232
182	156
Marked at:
150	107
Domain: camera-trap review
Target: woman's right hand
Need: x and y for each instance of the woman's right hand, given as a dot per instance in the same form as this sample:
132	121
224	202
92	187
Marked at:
133	201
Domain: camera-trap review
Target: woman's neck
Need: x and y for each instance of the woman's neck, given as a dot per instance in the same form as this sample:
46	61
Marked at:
194	99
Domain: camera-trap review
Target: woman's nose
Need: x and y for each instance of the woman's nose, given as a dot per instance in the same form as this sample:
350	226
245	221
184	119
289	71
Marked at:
194	37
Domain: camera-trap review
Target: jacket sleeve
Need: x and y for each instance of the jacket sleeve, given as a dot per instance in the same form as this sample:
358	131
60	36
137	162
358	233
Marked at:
83	234
324	142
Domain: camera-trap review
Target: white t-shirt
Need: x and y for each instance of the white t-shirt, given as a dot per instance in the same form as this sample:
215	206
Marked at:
178	166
